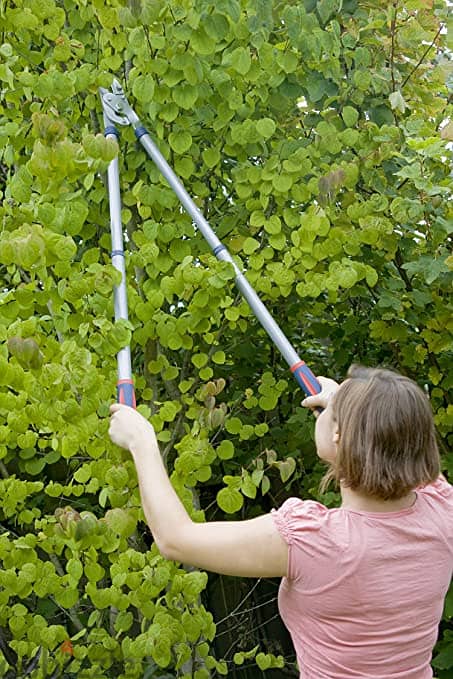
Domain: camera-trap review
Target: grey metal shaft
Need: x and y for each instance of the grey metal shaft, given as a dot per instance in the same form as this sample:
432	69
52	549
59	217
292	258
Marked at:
116	231
220	251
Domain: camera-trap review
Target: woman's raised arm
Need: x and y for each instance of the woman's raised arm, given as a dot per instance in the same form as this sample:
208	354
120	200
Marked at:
252	548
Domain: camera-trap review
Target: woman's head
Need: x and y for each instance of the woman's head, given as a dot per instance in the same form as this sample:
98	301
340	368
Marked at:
384	434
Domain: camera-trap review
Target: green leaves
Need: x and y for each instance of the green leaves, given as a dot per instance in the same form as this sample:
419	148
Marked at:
230	500
211	157
185	96
97	146
121	522
397	101
428	267
27	353
240	60
263	660
319	163
143	89
180	141
350	116
444	659
225	451
250	245
266	127
230	8
201	42
14	493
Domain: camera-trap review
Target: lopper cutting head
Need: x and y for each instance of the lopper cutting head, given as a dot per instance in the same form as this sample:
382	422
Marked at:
116	108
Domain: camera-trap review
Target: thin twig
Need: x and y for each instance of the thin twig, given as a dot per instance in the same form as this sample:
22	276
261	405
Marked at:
254	608
254	629
241	603
422	57
72	611
392	51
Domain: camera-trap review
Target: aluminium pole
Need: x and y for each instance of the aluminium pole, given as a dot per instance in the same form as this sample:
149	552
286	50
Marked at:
125	384
300	370
117	109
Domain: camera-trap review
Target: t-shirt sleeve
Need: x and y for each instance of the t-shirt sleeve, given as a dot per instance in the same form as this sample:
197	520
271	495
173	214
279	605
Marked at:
440	489
300	523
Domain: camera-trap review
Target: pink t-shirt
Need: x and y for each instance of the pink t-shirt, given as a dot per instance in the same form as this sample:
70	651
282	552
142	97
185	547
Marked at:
364	593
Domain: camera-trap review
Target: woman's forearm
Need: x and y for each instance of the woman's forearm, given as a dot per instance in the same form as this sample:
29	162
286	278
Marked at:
250	548
164	512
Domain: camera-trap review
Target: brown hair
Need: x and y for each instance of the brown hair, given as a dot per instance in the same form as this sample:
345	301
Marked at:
387	441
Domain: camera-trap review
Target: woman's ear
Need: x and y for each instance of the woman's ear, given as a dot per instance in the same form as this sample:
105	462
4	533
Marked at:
336	436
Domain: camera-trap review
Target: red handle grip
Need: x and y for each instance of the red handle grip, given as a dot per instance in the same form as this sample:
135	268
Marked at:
126	393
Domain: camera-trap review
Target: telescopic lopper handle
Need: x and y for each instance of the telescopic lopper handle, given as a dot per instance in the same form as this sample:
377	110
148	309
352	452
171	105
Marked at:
117	110
126	393
125	385
302	373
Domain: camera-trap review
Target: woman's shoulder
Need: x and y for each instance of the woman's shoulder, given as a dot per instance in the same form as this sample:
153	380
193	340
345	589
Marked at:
296	516
295	506
439	489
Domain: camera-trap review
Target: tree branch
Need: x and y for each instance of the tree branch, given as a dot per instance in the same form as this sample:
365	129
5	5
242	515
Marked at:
392	50
70	612
420	61
399	265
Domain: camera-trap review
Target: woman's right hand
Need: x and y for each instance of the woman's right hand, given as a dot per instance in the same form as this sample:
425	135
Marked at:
320	401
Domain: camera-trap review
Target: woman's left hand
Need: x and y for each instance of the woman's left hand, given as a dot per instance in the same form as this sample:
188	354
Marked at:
130	430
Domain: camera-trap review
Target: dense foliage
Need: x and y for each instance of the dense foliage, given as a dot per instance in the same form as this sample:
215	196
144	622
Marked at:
314	137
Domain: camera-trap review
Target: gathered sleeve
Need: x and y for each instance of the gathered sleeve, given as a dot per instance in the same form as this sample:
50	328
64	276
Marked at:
301	523
440	488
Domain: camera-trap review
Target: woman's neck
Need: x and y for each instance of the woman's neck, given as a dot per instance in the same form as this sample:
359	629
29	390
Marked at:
351	499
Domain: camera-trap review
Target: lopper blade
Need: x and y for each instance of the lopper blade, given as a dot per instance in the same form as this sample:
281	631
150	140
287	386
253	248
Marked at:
116	108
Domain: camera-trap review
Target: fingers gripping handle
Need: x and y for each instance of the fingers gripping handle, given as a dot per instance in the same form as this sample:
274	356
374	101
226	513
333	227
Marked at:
126	393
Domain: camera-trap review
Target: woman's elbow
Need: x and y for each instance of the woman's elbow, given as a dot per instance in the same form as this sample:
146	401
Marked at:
172	548
167	550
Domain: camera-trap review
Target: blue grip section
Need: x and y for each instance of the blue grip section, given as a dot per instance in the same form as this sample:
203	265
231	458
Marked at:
218	249
111	129
126	393
140	131
306	378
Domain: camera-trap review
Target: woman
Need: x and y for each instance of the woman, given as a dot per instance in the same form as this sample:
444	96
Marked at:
364	584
